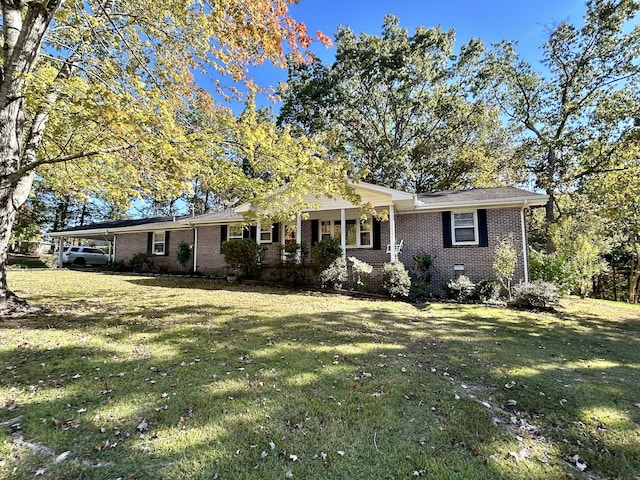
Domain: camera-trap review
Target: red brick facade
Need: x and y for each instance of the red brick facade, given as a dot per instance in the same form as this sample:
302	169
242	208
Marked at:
420	232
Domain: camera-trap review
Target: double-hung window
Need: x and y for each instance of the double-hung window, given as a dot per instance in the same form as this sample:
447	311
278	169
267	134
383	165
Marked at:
464	228
266	234
158	243
235	232
358	233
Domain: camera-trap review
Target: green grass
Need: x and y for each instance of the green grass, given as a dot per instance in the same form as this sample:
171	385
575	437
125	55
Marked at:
198	379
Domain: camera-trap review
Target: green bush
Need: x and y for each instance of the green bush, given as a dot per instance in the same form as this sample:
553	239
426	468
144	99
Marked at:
395	280
335	274
549	268
421	275
537	294
324	252
141	262
488	290
461	288
243	256
184	254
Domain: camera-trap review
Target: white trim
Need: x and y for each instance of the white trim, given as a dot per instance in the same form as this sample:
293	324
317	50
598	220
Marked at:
154	242
343	232
235	237
525	254
298	238
195	249
392	234
503	202
476	235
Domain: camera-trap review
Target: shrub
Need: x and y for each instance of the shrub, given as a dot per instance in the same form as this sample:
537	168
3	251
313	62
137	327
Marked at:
184	254
141	262
549	268
360	273
421	274
461	288
244	256
538	294
488	290
505	260
324	252
395	280
335	274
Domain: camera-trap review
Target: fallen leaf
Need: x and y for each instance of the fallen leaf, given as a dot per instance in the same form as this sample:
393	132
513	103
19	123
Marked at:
102	445
143	425
62	457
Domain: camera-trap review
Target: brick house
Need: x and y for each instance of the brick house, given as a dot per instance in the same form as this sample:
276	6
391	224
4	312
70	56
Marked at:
459	229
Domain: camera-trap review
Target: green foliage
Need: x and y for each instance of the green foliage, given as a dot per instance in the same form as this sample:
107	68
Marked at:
461	288
578	109
324	252
243	256
141	262
550	268
395	280
421	275
401	108
537	294
335	274
360	273
505	259
184	254
488	291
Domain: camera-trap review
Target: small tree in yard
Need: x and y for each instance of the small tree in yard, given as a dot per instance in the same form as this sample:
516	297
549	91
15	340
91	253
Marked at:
184	254
505	260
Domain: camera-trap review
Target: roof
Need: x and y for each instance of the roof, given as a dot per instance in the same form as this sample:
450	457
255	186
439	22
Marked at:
477	197
404	202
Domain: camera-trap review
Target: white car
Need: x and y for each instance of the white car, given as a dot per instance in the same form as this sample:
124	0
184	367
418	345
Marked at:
84	256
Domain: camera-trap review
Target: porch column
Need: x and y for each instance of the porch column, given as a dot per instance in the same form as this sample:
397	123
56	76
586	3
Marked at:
343	233
110	252
392	233
298	237
60	251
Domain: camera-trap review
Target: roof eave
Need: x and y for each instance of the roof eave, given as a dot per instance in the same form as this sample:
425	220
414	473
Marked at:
533	201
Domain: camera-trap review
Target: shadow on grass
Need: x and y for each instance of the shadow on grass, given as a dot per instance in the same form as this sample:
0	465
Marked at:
218	385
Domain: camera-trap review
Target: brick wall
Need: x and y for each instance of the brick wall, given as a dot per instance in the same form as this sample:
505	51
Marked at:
129	244
423	232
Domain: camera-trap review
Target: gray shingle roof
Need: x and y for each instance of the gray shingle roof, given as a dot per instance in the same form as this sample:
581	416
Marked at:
476	195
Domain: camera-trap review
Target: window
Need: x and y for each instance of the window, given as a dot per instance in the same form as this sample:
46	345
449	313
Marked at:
158	243
464	228
266	235
235	232
290	237
359	233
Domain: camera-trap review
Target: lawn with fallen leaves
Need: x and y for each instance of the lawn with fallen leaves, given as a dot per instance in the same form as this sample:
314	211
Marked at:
163	378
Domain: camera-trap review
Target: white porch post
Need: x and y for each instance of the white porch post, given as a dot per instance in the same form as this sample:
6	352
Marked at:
298	237
60	251
195	249
343	232
110	251
392	234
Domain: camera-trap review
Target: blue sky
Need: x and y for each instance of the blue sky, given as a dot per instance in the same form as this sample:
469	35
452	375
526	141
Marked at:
524	21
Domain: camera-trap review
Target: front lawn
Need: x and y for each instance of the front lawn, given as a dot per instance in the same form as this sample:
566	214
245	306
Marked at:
163	378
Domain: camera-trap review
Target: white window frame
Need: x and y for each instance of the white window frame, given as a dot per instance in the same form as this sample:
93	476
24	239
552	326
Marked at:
476	235
235	228
268	233
359	231
159	238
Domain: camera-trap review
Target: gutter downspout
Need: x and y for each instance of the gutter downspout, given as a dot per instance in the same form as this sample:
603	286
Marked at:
195	249
524	244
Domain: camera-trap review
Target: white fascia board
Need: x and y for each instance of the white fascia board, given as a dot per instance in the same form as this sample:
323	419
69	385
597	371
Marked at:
533	201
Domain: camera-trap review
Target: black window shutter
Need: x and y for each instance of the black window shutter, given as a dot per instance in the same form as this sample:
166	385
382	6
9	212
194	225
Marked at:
149	243
446	230
245	232
275	233
376	234
253	233
223	235
166	244
314	231
483	241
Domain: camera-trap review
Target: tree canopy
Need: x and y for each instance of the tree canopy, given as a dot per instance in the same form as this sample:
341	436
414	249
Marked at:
401	108
99	97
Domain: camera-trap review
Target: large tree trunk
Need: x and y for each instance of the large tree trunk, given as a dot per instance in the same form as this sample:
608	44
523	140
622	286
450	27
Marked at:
634	278
11	198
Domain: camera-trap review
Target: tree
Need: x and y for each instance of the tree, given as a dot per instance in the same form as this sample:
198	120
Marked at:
102	90
400	107
578	112
505	259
